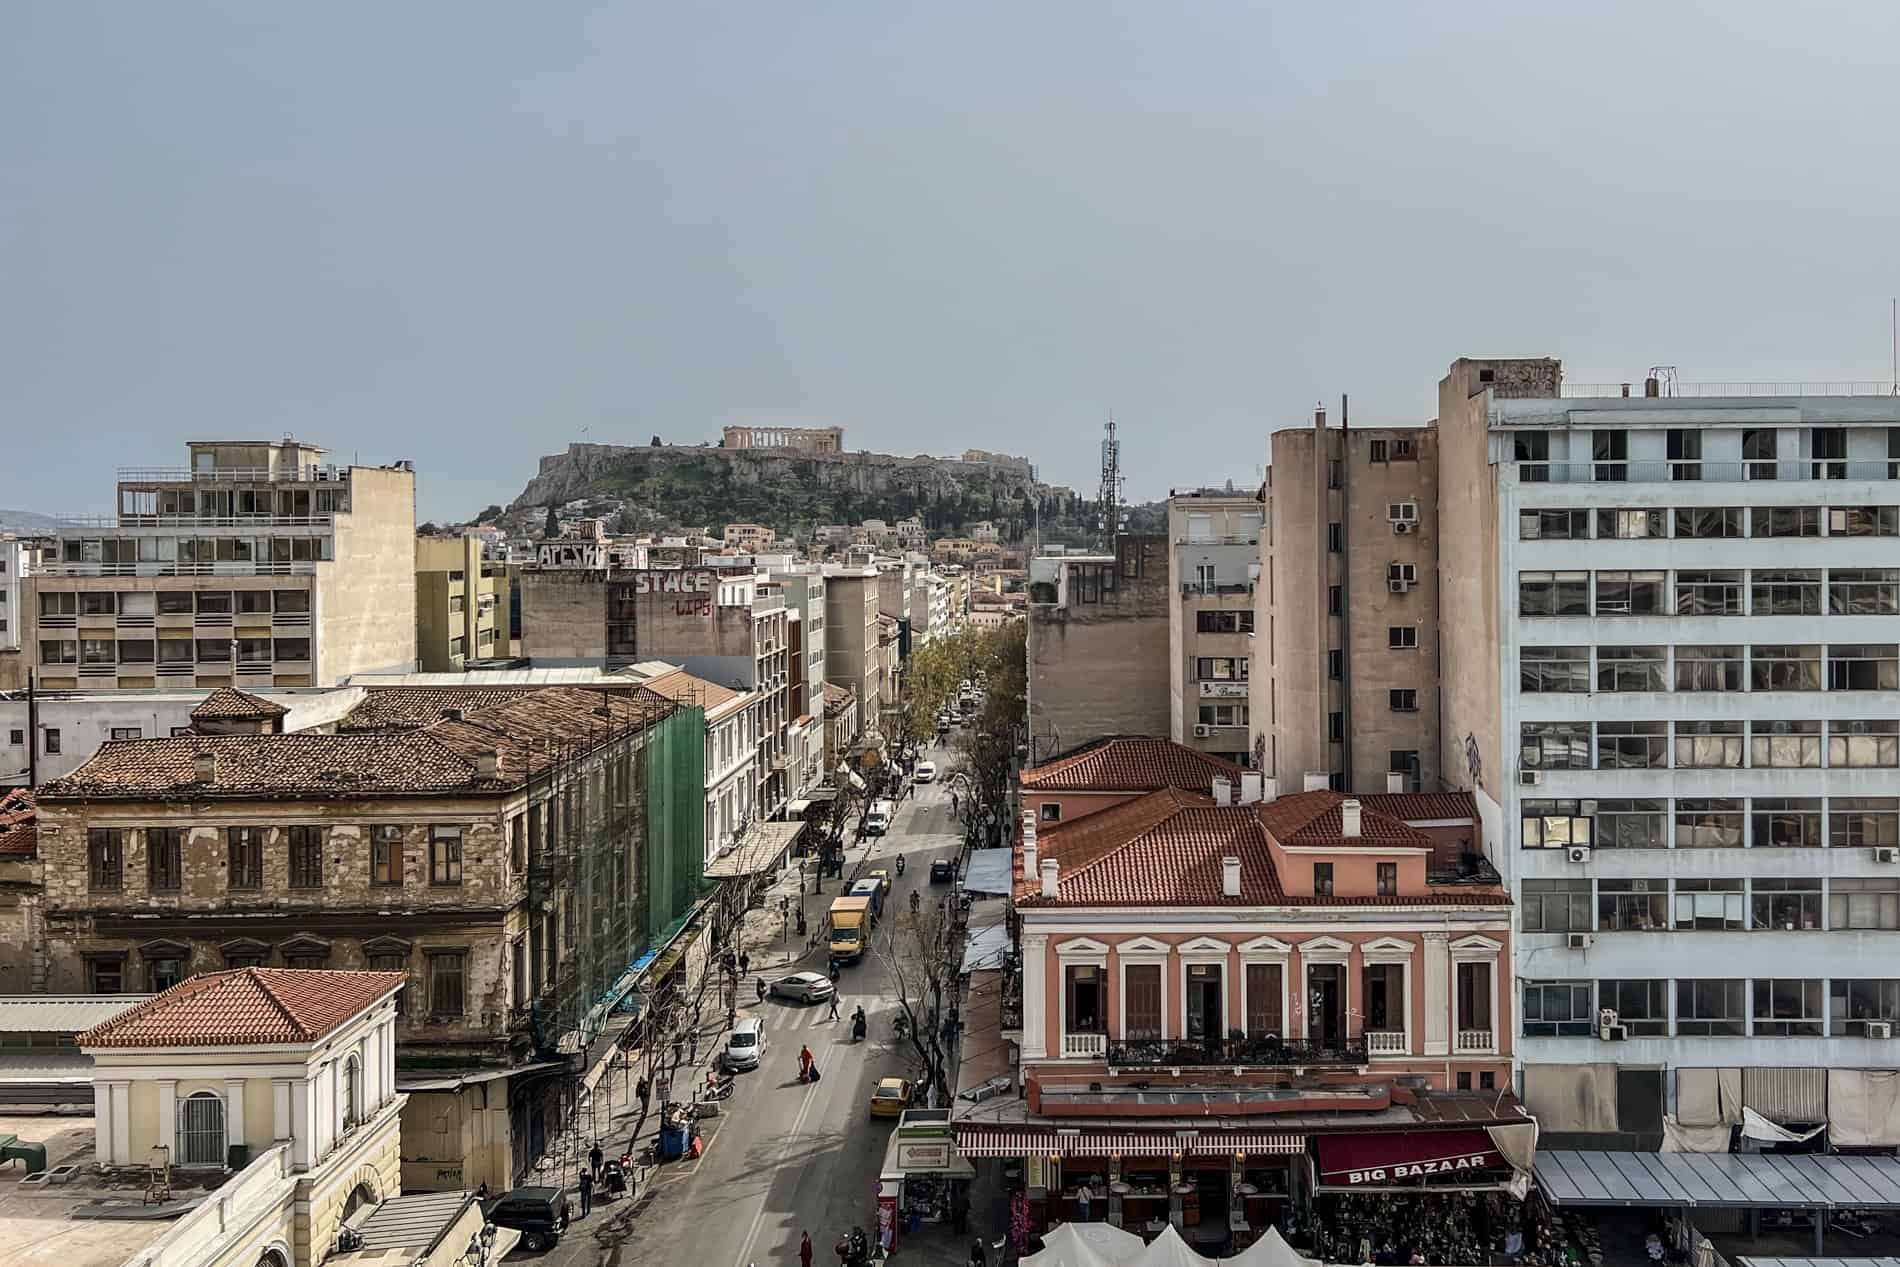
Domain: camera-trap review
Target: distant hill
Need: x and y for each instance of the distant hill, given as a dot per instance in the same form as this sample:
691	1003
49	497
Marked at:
27	523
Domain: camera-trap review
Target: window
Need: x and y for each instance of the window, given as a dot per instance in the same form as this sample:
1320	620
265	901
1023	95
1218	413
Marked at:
1855	822
49	740
1787	1008
1626	823
1853	1003
1263	999
1405	761
1610	450
1082	993
253	602
291	602
1402	637
1401	512
213	650
1704	905
1864	902
1641	1006
1223	622
1632	669
1387	879
174	603
1554	824
1532	447
59	651
390	961
1632	906
1784	521
1710	1008
1758	449
1558	1009
1828	446
136	651
1785	593
445	855
1141	983
293	649
1553	670
200	1130
1709	823
105	858
1783	668
245	848
445	985
16	737
59	604
1335	600
1557	906
174	650
1863	591
1785	822
97	604
1864	744
1051	811
1402	450
1709	593
1868	667
1555	745
1553	525
352	1092
1335	665
1335	538
1709	745
1863	521
1553	593
1632	745
1631	525
1335	728
1402	700
385	854
1404	573
105	974
1630	594
1708	521
1375	451
163	971
164	859
306	857
1220	668
1685	453
1322	879
1785	745
214	603
1222	714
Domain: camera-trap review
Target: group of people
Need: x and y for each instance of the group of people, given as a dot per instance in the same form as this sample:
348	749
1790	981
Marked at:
1430	1229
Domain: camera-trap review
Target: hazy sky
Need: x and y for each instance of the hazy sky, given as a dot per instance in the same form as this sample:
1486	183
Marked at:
462	233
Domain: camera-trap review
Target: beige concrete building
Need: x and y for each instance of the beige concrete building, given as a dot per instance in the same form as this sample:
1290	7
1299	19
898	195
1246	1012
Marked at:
750	537
1348	694
1213	568
852	654
255	565
1098	645
804	439
461	604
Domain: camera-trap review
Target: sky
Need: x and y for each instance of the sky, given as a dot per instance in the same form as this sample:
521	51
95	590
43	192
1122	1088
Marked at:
467	234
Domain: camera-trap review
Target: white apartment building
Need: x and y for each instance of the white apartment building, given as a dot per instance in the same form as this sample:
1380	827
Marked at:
1214	564
734	727
1675	692
13	556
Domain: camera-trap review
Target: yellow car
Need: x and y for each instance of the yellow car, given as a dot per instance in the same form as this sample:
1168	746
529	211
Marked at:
891	1098
882	877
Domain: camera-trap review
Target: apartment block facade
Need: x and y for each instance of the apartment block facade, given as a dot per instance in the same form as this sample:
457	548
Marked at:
1672	684
256	565
1098	644
462	604
1214	565
853	658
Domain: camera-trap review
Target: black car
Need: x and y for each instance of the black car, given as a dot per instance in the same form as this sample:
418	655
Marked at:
942	871
539	1214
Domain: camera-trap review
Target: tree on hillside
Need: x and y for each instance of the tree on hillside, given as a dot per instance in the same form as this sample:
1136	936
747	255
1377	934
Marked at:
552	526
489	514
658	443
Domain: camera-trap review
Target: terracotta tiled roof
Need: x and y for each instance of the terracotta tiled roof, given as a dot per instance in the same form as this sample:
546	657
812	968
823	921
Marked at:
683	688
529	731
229	702
246	1007
1415	807
1315	819
837	698
19	825
1131	763
410	707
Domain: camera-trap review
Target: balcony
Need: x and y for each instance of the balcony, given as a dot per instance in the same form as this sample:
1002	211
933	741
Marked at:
1385	1042
314	474
1178	1052
130	519
1084	1046
1660	471
1476	1041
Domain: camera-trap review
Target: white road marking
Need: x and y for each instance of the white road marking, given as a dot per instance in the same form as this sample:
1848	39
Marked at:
785	1151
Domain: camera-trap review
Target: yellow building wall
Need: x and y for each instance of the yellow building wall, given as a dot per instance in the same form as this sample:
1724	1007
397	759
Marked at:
260	1115
320	1213
142	1119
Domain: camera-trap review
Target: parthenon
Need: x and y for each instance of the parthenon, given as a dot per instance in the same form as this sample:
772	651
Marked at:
808	439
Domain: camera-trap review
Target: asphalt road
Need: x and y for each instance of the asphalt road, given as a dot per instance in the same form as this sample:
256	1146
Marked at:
789	1158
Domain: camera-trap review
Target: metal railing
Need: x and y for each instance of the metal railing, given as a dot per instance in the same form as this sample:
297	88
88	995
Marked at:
1662	471
1476	1040
1237	1051
323	473
1672	390
301	567
131	519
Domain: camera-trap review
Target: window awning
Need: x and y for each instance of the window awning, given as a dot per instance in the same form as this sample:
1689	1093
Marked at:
1736	1180
982	1141
1386	1159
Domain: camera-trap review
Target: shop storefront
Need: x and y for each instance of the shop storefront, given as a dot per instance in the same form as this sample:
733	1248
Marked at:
1433	1196
925	1180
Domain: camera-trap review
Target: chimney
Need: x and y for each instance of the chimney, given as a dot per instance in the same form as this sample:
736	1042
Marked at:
1395	782
204	767
1319	417
451	714
1349	818
1252	785
1029	855
487	764
1316	781
1223	790
1230	876
1049	877
1652	387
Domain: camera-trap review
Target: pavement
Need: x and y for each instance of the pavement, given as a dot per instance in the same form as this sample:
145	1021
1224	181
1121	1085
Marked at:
784	1157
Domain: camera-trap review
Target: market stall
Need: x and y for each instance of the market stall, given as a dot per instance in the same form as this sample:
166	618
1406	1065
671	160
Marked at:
924	1179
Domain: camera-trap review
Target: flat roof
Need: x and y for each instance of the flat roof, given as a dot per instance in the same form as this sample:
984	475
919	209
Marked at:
62	1013
1735	1180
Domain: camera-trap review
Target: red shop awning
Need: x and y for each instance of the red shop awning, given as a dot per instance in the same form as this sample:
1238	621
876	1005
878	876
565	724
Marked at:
1407	1157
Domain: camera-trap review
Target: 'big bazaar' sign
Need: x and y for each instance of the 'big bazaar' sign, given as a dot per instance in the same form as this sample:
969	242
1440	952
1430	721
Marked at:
1419	1169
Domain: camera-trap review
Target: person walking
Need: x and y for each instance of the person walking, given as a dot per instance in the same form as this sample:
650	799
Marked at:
804	1250
594	1158
644	1090
834	1006
745	964
1083	1196
804	1064
978	1258
587	1192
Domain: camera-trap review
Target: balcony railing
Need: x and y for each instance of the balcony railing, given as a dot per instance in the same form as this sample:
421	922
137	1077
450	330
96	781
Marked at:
301	567
1773	470
1386	1042
313	474
1084	1045
1479	1040
128	519
1846	387
1237	1051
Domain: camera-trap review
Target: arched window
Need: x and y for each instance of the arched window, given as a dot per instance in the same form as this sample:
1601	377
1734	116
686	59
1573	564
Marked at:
352	1092
201	1130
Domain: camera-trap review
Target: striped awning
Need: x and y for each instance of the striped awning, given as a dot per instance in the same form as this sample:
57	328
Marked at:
989	1141
985	1141
1266	1145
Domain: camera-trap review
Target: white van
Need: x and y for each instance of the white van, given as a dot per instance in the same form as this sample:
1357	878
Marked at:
878	821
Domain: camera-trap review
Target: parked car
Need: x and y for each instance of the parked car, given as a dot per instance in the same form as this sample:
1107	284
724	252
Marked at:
539	1214
745	1043
942	871
802	987
926	772
891	1098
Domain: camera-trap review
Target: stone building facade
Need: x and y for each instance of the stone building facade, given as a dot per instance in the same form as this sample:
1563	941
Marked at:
805	439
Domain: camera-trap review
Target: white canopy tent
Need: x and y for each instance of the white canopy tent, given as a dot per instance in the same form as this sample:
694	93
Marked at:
1104	1245
1271	1250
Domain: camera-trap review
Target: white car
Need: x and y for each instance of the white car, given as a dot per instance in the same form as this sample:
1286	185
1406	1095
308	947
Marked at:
745	1043
926	772
805	987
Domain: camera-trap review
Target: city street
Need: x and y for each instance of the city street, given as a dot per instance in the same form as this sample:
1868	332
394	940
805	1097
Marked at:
788	1158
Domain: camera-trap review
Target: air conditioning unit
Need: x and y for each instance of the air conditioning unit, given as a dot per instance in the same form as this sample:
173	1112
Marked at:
1530	778
1581	941
1397	586
1402	526
1614	1033
1203	732
1880	1029
1578	853
1887	855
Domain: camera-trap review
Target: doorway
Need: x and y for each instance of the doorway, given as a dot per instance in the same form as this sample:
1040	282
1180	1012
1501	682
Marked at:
1205	990
1326	1004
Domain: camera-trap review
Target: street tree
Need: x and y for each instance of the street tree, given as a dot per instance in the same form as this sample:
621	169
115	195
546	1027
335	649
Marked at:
672	1030
921	956
986	751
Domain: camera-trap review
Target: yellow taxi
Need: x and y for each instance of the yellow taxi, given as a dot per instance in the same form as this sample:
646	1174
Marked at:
891	1098
882	876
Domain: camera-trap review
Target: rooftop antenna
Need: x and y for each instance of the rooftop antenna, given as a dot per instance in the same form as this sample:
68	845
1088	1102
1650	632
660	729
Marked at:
1111	492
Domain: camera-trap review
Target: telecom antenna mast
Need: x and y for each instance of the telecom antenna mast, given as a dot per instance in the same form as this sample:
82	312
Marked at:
1111	494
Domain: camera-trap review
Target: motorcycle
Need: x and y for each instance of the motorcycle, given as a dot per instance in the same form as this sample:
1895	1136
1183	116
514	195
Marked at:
900	864
613	1177
901	1026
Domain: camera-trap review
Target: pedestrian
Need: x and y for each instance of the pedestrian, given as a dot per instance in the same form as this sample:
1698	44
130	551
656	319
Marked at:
594	1158
481	1191
977	1257
761	989
834	1006
1082	1198
804	1064
745	964
587	1192
804	1250
643	1089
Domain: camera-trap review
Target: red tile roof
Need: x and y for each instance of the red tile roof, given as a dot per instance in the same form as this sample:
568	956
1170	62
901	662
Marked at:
412	707
1131	763
682	687
1414	807
19	825
229	702
246	1007
1315	819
